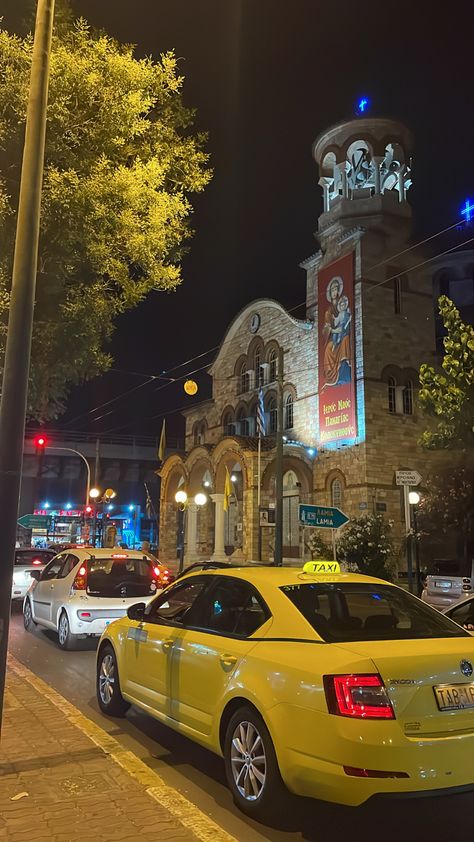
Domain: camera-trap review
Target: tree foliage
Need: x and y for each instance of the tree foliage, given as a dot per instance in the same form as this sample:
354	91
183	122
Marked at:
447	504
121	163
318	546
366	546
448	395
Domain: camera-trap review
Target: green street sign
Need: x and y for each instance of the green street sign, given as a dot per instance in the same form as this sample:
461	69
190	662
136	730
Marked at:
35	521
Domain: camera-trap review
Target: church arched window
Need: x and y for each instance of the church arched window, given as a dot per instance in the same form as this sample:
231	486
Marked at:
289	407
336	493
272	415
392	394
273	366
408	398
244	378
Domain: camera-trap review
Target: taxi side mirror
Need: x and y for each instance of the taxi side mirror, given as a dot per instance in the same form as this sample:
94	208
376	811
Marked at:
136	611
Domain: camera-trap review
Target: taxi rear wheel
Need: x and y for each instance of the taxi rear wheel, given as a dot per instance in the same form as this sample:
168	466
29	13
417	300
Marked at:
109	696
251	766
28	621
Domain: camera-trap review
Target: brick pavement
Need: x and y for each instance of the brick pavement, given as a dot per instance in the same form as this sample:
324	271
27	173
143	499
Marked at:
76	789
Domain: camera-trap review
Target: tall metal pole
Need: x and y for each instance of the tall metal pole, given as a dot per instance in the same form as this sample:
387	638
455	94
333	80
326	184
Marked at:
20	322
278	552
84	459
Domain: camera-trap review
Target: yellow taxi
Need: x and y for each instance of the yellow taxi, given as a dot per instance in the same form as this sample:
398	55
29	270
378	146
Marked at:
330	685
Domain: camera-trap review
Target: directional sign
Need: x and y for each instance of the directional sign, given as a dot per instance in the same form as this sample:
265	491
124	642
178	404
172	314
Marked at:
35	521
407	478
325	517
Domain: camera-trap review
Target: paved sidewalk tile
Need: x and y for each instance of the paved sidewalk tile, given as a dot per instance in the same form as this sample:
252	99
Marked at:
75	790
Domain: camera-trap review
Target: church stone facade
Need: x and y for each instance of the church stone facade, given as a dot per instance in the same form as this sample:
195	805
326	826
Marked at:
350	370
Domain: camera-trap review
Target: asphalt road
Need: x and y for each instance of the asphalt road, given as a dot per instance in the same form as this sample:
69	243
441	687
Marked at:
199	774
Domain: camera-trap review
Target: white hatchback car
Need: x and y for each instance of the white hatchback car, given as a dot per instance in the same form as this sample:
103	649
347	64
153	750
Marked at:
81	591
27	559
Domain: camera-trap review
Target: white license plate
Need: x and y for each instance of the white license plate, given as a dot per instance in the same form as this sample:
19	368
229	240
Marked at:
443	585
454	696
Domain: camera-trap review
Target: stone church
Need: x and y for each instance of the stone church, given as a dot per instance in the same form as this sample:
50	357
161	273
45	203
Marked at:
350	371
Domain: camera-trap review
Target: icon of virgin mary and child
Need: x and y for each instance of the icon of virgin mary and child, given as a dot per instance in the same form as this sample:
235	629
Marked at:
337	335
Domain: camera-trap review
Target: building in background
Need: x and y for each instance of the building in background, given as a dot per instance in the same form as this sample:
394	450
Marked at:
350	369
54	485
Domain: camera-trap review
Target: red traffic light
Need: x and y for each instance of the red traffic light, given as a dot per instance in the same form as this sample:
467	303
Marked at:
40	441
88	510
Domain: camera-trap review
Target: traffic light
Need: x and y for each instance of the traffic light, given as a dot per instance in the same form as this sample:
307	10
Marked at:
89	511
41	443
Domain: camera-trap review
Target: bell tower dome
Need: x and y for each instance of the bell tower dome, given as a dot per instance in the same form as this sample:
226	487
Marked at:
365	173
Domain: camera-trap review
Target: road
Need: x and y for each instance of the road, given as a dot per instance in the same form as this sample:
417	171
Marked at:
199	775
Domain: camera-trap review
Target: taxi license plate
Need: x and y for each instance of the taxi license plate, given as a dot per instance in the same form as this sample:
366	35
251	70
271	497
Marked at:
455	696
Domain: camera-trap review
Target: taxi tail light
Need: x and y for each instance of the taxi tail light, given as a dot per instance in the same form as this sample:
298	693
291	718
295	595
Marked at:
36	561
358	696
80	579
355	772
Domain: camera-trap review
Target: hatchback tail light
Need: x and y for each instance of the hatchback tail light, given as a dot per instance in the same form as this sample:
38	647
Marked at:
358	696
80	579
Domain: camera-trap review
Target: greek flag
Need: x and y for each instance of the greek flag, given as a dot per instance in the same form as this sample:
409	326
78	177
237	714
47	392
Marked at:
260	415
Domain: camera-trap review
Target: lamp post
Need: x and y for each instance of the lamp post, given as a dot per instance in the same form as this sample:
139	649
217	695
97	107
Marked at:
181	497
413	499
106	497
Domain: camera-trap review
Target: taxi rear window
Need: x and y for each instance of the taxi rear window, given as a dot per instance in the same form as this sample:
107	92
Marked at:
358	612
120	576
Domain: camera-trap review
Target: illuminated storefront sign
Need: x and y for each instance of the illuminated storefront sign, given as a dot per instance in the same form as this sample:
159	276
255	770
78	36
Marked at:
336	359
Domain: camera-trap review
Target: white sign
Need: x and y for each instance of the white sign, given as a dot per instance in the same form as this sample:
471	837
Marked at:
407	478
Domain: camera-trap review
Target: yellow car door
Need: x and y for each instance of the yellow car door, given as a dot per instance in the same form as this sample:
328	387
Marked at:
208	651
149	645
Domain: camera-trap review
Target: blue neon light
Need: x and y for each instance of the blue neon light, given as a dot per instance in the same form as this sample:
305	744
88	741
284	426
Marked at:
363	105
467	211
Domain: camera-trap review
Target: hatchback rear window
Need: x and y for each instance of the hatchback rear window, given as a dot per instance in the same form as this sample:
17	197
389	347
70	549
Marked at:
33	557
353	612
120	577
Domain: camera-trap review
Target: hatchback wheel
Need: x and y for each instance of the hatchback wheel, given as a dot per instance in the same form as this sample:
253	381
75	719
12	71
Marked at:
109	695
252	767
28	621
66	640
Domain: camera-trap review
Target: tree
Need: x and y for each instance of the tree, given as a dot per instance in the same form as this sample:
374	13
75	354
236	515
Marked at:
448	395
121	163
365	545
318	546
447	504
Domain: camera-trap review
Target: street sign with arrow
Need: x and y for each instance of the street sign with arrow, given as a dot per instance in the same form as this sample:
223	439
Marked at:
35	521
407	478
324	517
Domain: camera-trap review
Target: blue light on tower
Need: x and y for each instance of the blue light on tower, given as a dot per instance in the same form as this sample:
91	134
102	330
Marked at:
363	105
467	211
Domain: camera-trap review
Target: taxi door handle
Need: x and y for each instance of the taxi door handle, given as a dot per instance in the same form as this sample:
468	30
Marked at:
228	661
51	587
167	644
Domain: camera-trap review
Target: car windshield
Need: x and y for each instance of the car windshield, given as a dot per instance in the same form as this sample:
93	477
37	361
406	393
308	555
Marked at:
32	557
120	576
356	612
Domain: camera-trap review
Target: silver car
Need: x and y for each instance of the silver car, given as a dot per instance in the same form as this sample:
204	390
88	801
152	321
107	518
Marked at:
27	559
462	612
443	591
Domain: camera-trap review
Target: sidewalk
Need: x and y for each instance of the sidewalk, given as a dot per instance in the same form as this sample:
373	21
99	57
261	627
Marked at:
80	783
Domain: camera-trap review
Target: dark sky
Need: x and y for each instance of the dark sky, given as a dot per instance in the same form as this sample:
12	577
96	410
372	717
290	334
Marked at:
266	76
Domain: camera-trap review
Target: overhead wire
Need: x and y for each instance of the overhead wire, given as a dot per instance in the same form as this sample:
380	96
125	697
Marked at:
219	347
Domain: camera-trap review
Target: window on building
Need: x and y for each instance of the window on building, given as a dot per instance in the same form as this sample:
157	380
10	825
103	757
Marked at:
228	424
243	423
244	378
273	366
336	493
408	398
392	395
259	373
397	295
273	415
289	406
199	433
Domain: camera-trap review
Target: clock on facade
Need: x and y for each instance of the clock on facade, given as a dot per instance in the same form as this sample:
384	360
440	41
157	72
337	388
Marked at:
254	323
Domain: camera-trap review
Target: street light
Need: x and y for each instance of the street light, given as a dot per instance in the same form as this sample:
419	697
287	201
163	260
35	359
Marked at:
94	493
184	503
108	495
414	498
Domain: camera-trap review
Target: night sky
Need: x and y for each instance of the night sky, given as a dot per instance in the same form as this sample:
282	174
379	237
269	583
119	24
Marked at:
266	76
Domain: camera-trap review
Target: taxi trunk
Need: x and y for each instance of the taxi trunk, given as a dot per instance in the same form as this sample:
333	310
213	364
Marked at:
431	687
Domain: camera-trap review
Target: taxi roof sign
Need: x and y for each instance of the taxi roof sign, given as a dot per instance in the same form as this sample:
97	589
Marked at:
322	567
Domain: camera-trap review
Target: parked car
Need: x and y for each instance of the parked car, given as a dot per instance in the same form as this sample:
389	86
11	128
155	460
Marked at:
462	612
443	591
335	686
27	559
81	591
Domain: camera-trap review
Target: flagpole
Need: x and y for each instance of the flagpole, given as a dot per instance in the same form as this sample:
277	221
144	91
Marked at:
259	467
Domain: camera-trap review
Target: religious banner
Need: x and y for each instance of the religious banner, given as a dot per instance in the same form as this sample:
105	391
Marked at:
337	405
